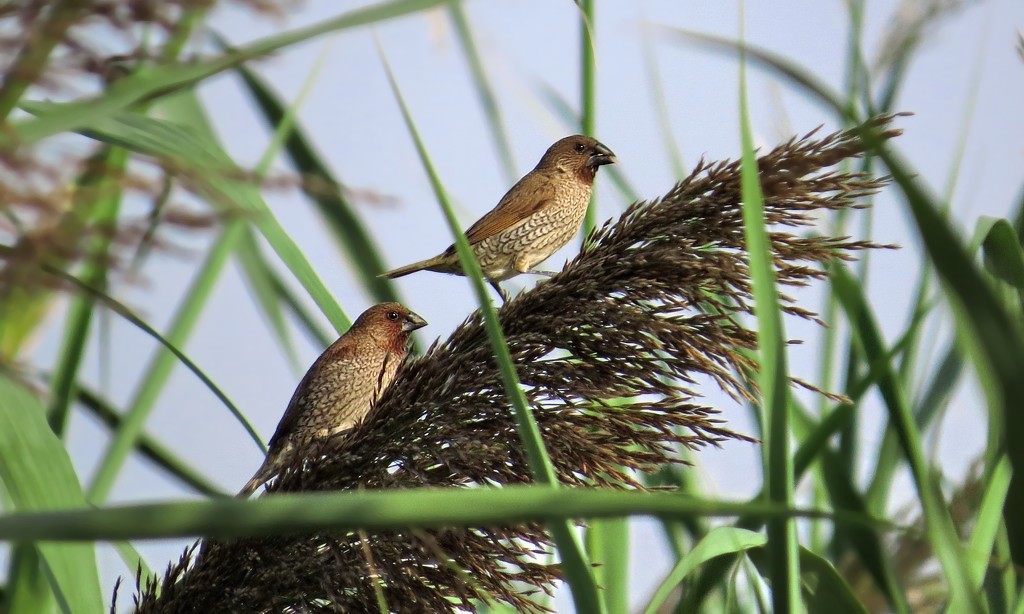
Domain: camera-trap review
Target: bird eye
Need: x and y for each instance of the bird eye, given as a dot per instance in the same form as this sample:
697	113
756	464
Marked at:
580	147
392	315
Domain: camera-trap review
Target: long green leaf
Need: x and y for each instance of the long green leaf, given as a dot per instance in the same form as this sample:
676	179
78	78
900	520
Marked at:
160	367
942	533
380	510
774	383
218	179
718	542
574	560
150	448
484	91
150	83
1000	336
97	195
38	477
326	192
588	85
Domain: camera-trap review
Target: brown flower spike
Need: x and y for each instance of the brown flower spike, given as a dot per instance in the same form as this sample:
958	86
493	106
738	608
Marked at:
341	386
651	309
537	217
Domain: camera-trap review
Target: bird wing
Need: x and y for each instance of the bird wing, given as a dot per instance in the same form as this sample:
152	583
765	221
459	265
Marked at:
341	351
525	198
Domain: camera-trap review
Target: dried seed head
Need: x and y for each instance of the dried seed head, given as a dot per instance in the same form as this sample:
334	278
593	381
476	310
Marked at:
651	304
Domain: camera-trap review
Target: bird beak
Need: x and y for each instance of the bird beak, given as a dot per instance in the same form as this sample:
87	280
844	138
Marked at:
413	322
601	155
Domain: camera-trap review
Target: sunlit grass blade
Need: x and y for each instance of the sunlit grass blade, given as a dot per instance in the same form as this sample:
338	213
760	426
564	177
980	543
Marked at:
37	477
150	448
574	561
98	196
152	83
942	533
159	369
264	291
381	510
607	542
718	542
28	588
325	191
661	113
784	570
998	335
805	81
123	311
980	555
195	152
588	86
484	91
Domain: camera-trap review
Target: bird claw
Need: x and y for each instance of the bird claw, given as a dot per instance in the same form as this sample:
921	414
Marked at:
544	273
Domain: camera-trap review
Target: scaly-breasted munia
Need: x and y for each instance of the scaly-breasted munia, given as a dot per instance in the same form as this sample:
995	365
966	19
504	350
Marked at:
341	386
539	215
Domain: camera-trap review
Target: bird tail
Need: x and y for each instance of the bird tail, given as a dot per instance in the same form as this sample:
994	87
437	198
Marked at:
265	472
430	264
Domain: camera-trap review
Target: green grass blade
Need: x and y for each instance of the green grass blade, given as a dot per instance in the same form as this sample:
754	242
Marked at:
37	476
149	447
98	195
999	336
160	367
826	590
28	587
148	83
803	79
838	483
382	510
607	544
191	148
941	531
986	527
1004	257
256	274
718	542
123	311
774	383
574	561
588	86
325	191
675	158
484	91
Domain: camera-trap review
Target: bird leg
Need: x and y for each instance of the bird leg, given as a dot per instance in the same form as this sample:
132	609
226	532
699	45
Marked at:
522	266
501	292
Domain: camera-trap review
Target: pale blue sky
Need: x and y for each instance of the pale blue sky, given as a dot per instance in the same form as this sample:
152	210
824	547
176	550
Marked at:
355	124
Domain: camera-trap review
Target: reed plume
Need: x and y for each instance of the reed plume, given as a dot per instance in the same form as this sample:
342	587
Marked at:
610	352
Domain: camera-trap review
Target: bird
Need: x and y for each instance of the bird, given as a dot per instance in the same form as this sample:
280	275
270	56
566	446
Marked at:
536	217
342	386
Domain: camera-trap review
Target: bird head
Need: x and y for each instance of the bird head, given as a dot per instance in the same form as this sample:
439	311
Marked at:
577	153
389	323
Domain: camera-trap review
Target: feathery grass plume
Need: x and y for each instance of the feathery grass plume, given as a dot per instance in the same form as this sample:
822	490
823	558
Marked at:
651	304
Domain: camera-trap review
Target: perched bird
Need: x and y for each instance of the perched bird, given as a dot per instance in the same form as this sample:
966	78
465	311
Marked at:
540	214
342	385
